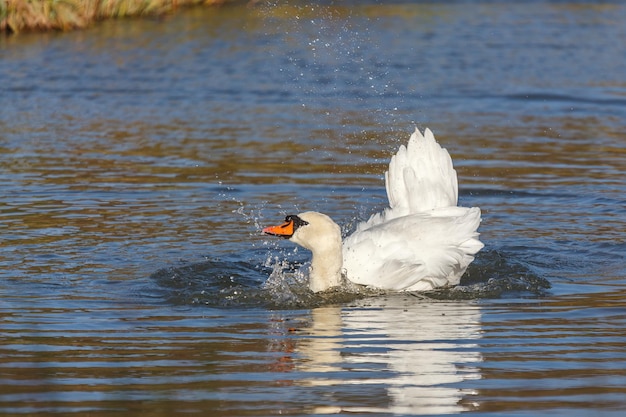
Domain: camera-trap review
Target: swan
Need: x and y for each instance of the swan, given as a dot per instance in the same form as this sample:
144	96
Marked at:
420	242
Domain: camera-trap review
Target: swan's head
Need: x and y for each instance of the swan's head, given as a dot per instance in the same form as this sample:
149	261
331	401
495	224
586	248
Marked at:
322	236
311	230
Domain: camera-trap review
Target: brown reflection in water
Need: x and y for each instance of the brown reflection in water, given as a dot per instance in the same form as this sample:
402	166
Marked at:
573	343
137	360
529	153
535	152
118	175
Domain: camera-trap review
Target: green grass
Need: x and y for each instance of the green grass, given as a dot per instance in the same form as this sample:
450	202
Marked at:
22	15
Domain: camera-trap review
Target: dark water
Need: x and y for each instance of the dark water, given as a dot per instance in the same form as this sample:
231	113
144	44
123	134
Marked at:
140	158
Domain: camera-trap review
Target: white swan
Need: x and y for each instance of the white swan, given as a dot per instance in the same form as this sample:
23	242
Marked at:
422	241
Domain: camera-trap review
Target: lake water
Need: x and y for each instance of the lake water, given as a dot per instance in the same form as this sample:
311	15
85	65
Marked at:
139	160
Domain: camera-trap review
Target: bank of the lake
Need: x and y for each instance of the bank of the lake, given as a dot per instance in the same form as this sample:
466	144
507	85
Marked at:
28	15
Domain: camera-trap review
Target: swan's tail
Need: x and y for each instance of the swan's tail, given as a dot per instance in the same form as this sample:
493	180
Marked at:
421	177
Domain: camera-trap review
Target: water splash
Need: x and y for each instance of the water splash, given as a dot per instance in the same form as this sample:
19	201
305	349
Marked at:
215	283
279	284
335	62
288	285
239	284
495	275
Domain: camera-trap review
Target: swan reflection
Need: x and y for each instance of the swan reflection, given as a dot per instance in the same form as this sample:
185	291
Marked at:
405	355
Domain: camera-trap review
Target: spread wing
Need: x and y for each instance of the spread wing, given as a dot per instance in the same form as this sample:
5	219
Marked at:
420	178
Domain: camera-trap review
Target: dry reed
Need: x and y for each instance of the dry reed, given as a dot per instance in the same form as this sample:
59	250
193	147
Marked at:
21	15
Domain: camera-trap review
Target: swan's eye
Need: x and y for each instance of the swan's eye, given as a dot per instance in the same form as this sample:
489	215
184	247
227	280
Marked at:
297	221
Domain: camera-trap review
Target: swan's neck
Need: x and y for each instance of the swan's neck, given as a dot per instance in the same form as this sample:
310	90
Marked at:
326	266
322	236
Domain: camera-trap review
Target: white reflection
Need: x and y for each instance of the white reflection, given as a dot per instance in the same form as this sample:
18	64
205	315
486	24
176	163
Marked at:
419	351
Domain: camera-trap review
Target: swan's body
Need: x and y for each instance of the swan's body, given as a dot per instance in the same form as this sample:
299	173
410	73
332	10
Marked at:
422	241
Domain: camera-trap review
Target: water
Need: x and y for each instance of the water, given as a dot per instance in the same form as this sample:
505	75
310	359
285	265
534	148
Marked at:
140	159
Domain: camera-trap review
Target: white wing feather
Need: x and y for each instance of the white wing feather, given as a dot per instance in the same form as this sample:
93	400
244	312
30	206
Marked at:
421	176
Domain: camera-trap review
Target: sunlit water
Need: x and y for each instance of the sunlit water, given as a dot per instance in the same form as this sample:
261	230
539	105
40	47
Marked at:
140	159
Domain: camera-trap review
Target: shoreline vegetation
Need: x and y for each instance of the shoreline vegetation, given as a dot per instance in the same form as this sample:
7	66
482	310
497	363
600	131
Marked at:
63	15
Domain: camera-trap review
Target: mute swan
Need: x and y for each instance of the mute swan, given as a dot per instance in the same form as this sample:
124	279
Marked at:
420	242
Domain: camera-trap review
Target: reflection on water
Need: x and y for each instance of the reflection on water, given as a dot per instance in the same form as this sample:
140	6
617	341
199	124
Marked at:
393	355
138	160
567	351
415	351
383	355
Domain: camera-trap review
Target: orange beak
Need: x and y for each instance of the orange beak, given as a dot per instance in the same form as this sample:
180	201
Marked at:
284	230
